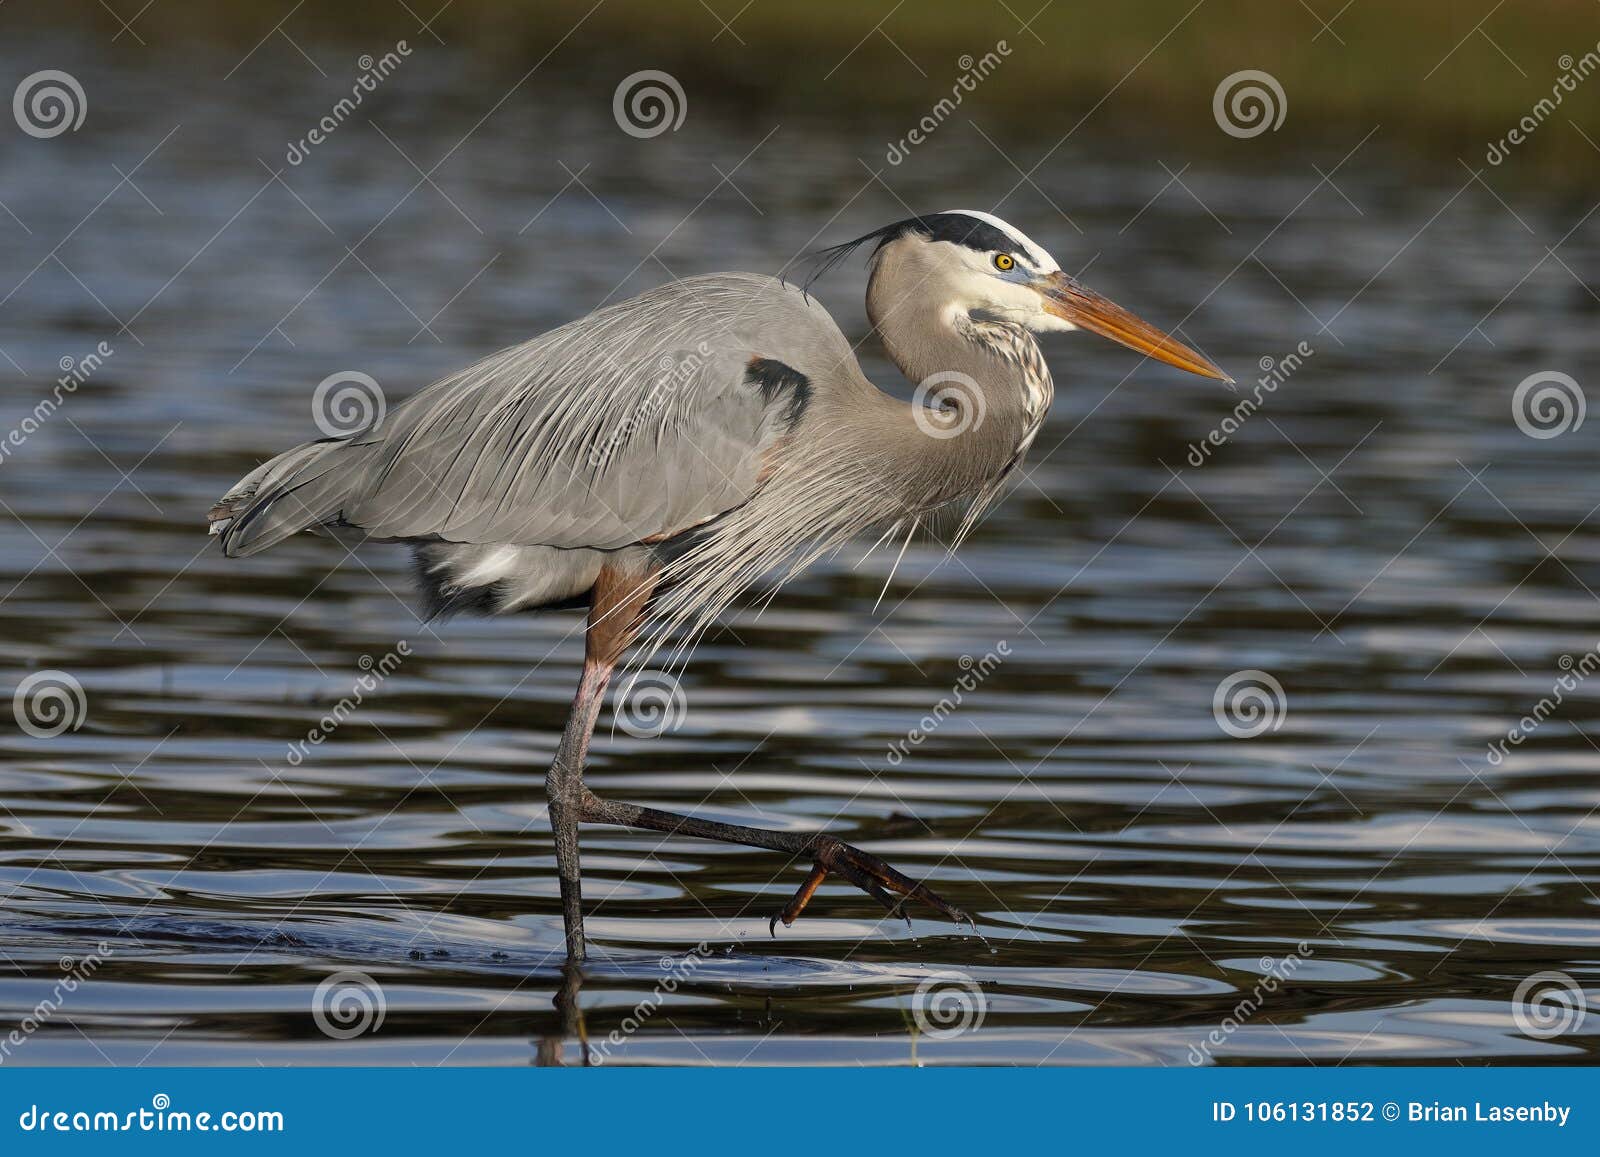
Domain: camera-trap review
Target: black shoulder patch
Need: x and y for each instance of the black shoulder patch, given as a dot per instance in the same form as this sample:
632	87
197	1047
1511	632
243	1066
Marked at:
777	380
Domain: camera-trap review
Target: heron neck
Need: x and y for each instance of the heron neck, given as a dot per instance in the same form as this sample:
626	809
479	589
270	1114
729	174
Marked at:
992	373
927	333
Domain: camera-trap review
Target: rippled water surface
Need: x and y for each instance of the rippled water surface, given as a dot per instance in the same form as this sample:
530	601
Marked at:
1381	540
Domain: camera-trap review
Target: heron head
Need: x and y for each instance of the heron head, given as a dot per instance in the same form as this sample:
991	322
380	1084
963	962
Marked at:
987	268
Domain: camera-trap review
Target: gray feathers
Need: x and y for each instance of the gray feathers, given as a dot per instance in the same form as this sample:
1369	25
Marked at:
300	488
634	422
719	428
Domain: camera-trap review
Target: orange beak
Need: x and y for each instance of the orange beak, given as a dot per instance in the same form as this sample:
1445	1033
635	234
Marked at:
1086	309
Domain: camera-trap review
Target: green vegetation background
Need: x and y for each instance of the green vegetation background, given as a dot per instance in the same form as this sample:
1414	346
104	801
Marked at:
1450	74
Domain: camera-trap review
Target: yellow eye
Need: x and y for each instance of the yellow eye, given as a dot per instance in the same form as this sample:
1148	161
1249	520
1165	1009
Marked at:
1003	262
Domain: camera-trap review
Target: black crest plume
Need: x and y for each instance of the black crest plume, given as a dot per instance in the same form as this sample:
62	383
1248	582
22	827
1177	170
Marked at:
956	228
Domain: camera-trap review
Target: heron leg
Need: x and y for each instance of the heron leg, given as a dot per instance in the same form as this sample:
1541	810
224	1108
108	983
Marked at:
614	615
563	786
828	855
614	610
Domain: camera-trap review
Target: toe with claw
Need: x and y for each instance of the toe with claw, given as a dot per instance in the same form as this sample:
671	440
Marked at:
874	877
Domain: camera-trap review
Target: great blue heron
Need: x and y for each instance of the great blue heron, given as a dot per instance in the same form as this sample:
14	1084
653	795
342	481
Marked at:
655	458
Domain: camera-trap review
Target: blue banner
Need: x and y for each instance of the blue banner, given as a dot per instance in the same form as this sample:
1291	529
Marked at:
782	1111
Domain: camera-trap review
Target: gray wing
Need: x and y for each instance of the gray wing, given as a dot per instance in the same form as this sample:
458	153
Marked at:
633	423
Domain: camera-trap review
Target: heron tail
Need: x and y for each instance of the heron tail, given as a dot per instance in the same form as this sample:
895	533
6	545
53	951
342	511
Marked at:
300	489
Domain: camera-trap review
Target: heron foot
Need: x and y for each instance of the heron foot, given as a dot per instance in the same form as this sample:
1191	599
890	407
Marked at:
828	854
877	879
